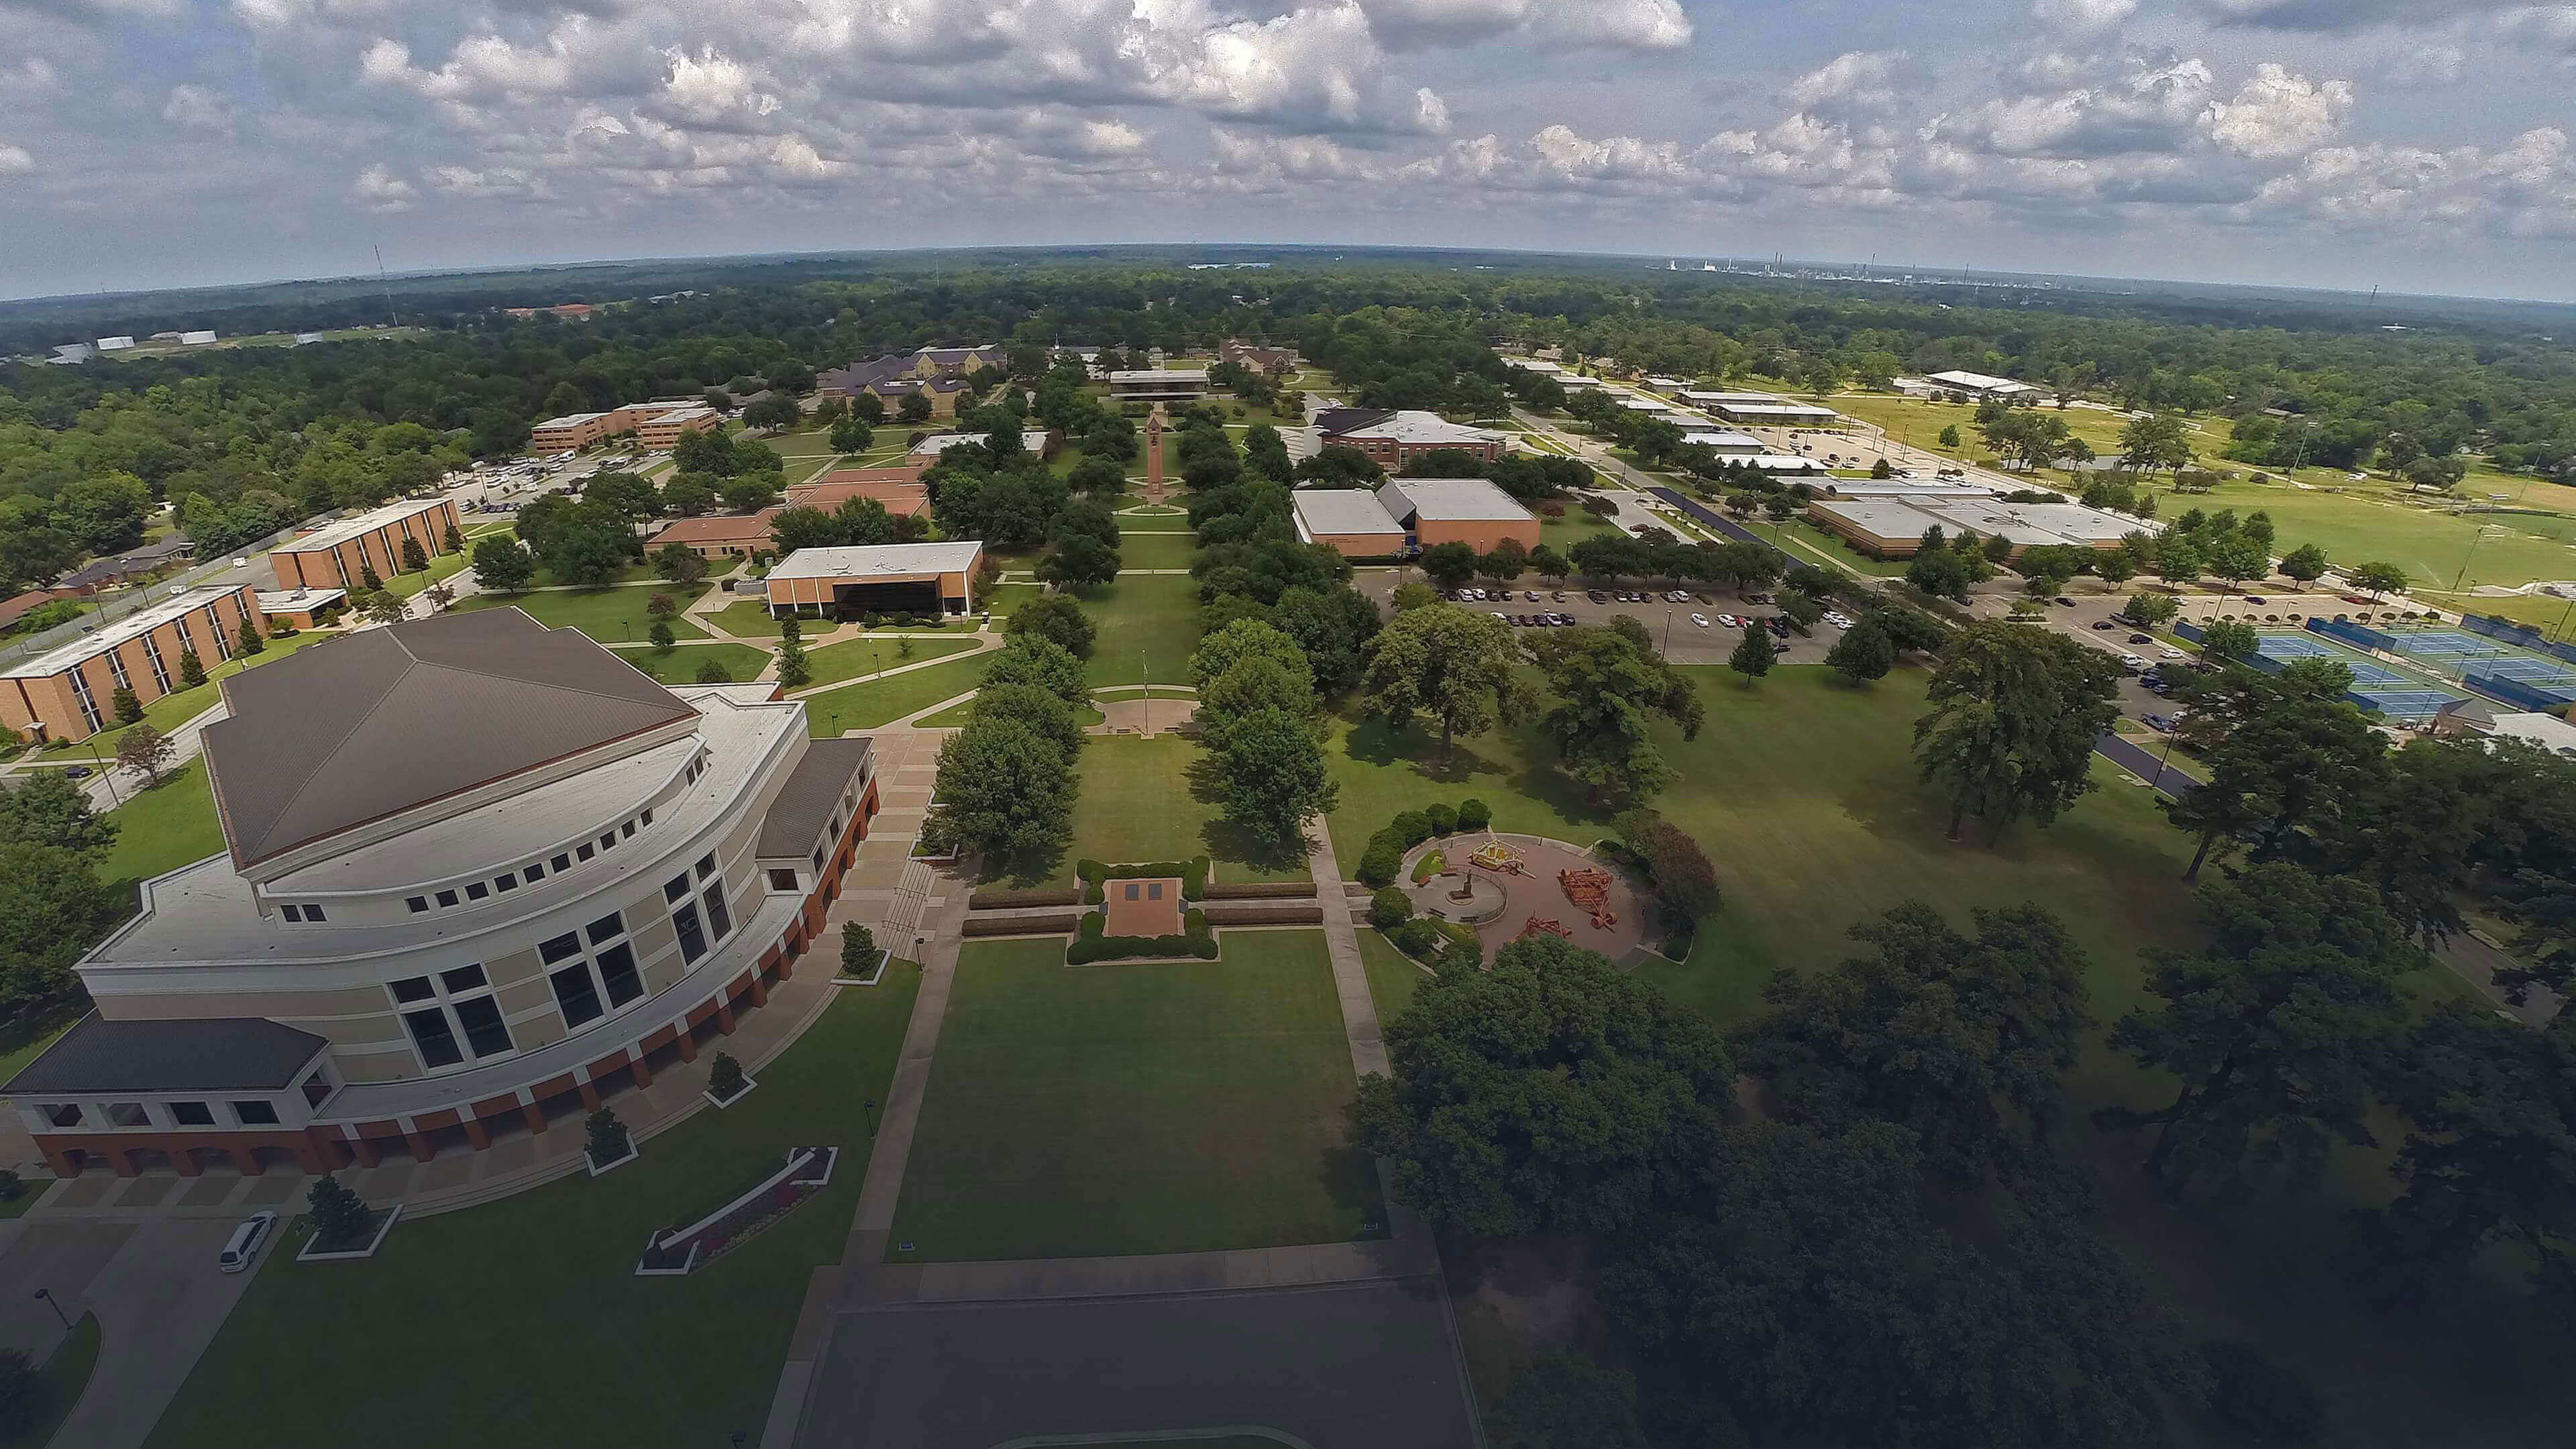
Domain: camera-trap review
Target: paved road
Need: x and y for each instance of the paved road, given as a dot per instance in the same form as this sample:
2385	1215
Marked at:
159	1299
1352	1366
2152	766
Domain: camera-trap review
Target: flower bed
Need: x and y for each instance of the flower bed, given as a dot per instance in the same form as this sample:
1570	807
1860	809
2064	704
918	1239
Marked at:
1089	945
1192	872
383	1220
673	1252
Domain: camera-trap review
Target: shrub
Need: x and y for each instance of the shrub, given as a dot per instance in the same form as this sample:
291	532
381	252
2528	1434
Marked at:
1463	954
604	1137
1474	815
1390	908
1382	861
1417	938
1256	913
1431	864
1411	828
1443	818
1261	890
858	949
340	1216
724	1079
1193	873
11	1189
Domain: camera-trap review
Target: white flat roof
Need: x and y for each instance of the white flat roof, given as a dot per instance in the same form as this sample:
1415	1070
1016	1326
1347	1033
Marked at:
1883	519
132	626
1725	440
1777	410
1783	462
879	561
570	420
1980	382
680	415
1531	364
1161	374
2545	730
297	600
1415	426
1342	511
933	447
332	535
1730	397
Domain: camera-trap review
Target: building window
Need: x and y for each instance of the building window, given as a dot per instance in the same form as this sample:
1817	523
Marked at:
255	1114
293	913
62	1114
535	872
127	1114
418	904
456	1017
446	899
88	706
676	889
152	656
720	919
627	830
706	866
192	1114
505	882
606	970
818	860
562	863
317	1088
782	880
645	819
477	890
584	851
693	937
312	913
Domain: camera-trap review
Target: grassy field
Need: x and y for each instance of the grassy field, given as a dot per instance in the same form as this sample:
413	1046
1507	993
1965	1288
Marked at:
1001	599
513	1298
1156	550
2367	524
1392	976
164	827
58	1384
1144	1108
865	706
1138	803
613	615
851	658
682	664
1561	534
1148	624
748	619
445	566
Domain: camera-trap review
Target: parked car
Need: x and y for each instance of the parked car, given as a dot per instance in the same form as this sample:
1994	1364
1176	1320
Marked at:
2142	638
242	1248
2358	599
2065	602
1529	596
1700	619
1558	596
2256	599
2103	625
2133	663
1598	596
2167	651
2159	724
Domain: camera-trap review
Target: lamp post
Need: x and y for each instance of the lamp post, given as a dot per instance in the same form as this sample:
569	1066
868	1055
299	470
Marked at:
872	1116
47	1294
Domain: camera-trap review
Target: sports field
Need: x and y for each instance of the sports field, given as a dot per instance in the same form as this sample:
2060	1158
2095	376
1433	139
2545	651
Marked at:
1151	1107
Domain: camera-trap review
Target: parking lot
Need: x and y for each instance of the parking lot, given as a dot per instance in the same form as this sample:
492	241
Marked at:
1681	641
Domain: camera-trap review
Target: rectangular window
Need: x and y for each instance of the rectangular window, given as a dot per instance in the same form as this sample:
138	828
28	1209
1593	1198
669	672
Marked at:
477	890
485	1032
676	888
607	927
562	863
255	1114
706	866
535	872
292	913
505	882
433	1037
446	898
645	819
418	904
463	978
717	916
782	880
693	937
312	913
608	841
413	988
818	860
1154	892
1131	890
560	947
627	830
63	1114
127	1114
617	972
192	1114
585	852
574	994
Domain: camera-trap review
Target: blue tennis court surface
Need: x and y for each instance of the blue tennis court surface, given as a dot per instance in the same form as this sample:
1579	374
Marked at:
2521	666
2392	692
2365	670
2446	641
2404	704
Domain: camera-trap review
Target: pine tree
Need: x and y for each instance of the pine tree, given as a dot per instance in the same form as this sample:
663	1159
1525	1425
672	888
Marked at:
369	581
1753	655
191	672
128	707
251	642
414	557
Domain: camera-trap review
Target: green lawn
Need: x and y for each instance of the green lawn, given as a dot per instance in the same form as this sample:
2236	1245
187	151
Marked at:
533	1302
749	619
445	566
1156	550
848	660
613	615
634	573
1149	624
682	664
58	1386
1001	599
1138	802
1561	534
1144	1108
2367	523
1834	550
180	706
1392	976
163	828
865	706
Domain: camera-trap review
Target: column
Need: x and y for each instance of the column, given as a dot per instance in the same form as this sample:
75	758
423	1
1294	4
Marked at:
421	1151
121	1160
474	1133
183	1160
57	1158
687	1042
643	1073
759	989
724	1016
364	1149
535	1115
589	1095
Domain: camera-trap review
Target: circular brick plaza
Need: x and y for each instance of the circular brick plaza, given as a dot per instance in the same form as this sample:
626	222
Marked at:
1523	884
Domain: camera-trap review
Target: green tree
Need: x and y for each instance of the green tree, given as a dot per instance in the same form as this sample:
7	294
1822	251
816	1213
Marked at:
1255	685
1078	561
1331	626
1219	652
46	809
1940	572
1457	667
2156	443
1274	773
2274	1028
2151	609
713	671
913	410
2306	563
126	705
1504	562
1962	1040
52	911
503	565
1550	1093
414	557
851	435
1004	792
1863	653
1058	617
340	1217
1950	437
1753	655
2178	562
1609	683
858	949
2379	579
369	581
1037	708
2230	642
1566	1401
679	563
662	635
192	671
2015	711
2280	756
1449	564
248	639
795	671
1031	659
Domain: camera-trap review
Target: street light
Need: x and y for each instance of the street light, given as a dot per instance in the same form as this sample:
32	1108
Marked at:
47	1294
872	1116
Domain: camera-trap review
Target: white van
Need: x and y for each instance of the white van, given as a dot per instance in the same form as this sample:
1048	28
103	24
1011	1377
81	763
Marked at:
242	1249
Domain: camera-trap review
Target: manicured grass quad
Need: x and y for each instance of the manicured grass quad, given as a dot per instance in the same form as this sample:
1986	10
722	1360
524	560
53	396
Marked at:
1138	802
1148	624
526	1301
1140	1108
1152	550
682	664
163	828
749	619
883	701
851	658
613	615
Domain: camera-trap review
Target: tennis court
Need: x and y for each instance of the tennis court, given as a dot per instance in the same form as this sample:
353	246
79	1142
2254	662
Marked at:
2493	666
2375	686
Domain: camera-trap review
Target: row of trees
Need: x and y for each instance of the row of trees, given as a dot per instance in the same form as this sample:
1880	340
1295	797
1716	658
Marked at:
1006	782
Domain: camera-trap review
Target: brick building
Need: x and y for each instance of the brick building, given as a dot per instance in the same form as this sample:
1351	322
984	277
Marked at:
338	555
719	535
879	578
70	693
1391	438
654	424
479	875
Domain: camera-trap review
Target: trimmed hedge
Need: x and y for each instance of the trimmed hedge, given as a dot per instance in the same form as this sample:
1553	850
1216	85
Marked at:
1390	908
1020	925
1193	874
1474	815
993	899
1261	890
1260	913
1383	860
1089	945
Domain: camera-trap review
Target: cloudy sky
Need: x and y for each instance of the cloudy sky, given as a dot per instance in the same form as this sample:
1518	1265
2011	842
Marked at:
2420	144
